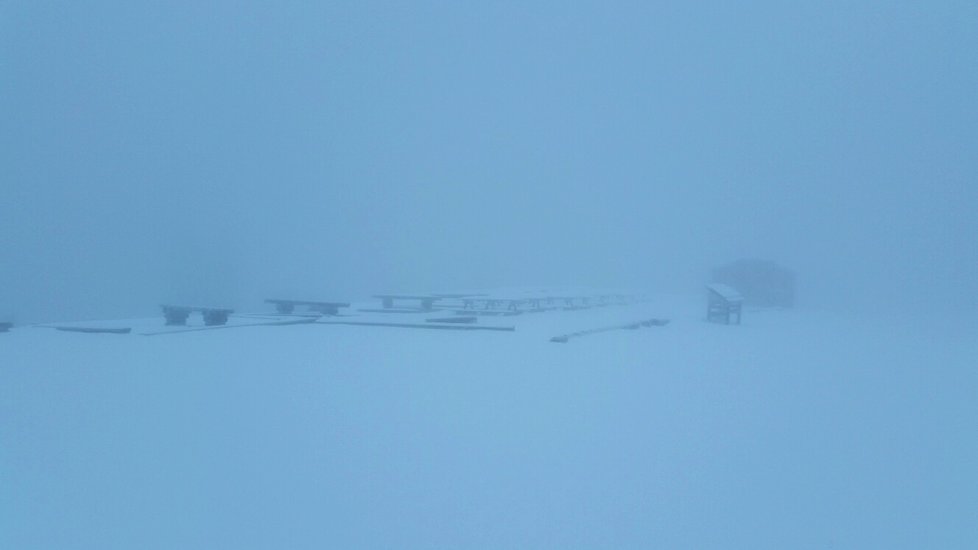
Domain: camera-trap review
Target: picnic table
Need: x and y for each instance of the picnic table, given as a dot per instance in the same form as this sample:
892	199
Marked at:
288	306
178	315
426	301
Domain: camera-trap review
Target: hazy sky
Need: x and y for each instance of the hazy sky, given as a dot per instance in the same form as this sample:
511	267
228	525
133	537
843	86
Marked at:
224	151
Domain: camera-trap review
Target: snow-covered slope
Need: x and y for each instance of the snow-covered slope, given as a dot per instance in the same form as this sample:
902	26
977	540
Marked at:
794	430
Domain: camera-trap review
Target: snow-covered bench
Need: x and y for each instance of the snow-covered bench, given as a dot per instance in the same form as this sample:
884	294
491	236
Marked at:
723	302
288	306
177	315
426	301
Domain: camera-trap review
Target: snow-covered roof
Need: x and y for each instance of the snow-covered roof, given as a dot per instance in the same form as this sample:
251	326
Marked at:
726	292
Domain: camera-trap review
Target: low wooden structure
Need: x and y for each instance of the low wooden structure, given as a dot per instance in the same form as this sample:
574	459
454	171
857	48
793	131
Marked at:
178	315
288	306
456	319
490	312
297	321
496	304
96	330
435	326
515	304
426	301
723	303
573	302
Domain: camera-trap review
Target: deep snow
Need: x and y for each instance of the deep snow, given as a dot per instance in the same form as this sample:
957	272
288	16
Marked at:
797	429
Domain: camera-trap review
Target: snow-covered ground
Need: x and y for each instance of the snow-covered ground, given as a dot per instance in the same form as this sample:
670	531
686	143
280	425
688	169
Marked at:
797	429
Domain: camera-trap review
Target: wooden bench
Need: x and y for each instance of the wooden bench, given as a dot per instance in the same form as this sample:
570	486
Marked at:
177	315
426	301
288	306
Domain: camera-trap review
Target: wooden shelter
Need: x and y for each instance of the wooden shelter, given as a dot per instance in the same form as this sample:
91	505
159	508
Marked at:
723	303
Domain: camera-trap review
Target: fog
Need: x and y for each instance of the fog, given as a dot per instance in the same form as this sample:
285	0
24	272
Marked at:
224	152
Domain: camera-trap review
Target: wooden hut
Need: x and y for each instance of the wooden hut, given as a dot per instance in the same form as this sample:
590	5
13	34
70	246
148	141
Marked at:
723	304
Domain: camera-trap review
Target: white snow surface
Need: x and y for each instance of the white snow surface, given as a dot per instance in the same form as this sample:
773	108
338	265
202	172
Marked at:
797	429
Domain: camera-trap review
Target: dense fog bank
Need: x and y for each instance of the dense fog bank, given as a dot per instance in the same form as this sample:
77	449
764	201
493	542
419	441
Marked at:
228	151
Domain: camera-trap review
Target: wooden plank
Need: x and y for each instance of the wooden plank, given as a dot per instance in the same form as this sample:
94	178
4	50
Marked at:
495	312
441	326
242	325
564	338
394	310
96	330
198	308
408	296
459	319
